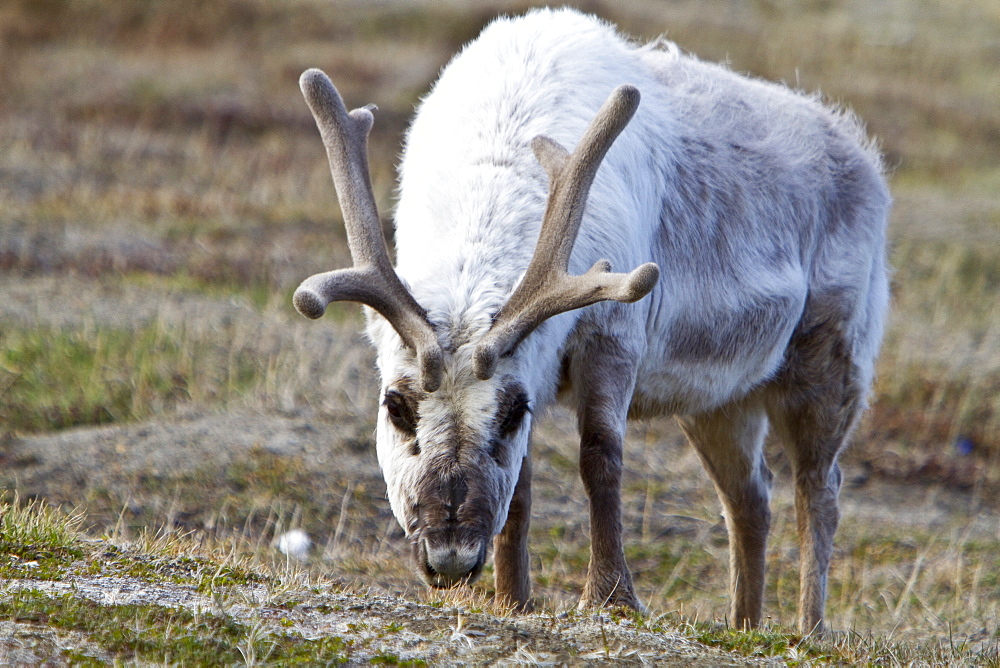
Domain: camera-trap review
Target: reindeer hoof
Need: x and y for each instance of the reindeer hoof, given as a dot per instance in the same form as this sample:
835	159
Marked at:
617	598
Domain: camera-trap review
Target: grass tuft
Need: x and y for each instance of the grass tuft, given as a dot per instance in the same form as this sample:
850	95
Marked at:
37	540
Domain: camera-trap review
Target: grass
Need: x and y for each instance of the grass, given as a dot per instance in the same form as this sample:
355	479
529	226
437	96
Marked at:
37	540
912	583
221	184
937	397
163	629
141	633
843	648
58	378
163	190
150	347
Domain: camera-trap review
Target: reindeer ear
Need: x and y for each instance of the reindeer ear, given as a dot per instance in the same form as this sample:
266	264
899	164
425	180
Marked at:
552	156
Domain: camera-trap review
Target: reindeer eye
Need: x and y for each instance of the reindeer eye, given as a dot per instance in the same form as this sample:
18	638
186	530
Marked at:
400	413
515	412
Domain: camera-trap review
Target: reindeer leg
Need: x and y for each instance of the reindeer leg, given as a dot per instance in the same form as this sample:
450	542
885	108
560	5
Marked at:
730	442
604	376
817	486
813	441
510	547
817	401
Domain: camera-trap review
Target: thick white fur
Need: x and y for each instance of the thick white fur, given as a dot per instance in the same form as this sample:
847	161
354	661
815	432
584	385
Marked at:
731	235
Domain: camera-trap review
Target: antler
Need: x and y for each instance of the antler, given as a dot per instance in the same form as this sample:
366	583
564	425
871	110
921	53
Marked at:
372	280
547	289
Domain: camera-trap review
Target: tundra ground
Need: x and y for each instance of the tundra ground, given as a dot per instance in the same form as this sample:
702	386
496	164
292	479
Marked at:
163	189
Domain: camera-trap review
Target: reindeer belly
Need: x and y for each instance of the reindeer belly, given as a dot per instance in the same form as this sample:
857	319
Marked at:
704	357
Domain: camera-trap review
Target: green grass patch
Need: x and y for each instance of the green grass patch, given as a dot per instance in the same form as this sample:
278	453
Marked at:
204	574
52	378
37	541
757	642
152	633
388	659
840	648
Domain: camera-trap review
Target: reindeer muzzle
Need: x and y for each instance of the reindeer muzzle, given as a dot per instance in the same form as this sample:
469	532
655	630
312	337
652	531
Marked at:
446	564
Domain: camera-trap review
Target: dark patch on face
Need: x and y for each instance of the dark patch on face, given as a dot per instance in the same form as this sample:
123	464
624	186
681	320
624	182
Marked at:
512	405
401	413
453	492
400	403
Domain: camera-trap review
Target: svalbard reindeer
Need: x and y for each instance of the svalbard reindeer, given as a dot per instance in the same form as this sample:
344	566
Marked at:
755	218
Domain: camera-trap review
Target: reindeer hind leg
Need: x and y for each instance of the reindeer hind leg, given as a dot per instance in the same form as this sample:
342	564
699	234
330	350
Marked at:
815	403
730	441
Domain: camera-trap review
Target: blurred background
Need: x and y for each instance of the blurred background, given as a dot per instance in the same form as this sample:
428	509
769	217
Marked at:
163	190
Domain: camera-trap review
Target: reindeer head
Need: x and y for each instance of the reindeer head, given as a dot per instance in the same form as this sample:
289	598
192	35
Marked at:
454	421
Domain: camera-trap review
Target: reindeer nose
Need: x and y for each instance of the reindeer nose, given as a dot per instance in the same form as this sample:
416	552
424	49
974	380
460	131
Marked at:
449	564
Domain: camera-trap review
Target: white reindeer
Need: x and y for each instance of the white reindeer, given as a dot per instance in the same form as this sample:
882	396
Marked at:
765	216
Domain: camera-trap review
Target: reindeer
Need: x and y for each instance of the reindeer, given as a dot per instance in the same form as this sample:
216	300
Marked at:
755	218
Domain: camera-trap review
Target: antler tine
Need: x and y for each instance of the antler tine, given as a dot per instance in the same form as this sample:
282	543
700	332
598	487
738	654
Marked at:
372	280
547	289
